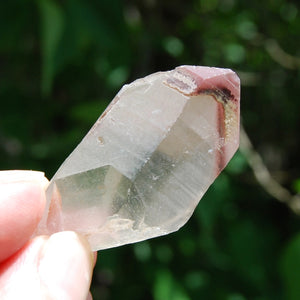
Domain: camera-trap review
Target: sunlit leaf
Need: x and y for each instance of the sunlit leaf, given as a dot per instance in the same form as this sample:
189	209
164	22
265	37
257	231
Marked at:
166	287
173	46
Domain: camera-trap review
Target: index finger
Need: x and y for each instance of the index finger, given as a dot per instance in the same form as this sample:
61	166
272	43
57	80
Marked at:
22	201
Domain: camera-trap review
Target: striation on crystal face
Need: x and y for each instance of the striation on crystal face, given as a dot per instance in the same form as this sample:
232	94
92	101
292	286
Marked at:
145	164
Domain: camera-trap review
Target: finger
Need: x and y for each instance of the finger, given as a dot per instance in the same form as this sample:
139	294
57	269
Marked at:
59	267
66	266
95	258
18	274
22	201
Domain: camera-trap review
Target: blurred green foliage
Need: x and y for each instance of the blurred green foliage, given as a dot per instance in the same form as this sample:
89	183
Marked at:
61	62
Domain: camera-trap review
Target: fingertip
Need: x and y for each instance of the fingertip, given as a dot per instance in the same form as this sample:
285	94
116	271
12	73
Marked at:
22	201
66	266
14	176
89	297
95	258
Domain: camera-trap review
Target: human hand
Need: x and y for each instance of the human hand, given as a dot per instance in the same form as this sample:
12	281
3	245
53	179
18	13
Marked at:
55	267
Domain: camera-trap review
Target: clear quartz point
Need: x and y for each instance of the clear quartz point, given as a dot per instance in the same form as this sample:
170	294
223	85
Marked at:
145	164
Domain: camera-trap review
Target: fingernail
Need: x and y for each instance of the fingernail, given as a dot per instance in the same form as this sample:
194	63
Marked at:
66	265
15	176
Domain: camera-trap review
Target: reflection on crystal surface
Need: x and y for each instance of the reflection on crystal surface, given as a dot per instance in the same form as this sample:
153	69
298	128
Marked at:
148	160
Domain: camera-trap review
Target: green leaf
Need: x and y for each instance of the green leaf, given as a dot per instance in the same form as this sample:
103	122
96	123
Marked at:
52	26
290	269
173	46
237	164
296	185
248	250
166	287
142	251
88	112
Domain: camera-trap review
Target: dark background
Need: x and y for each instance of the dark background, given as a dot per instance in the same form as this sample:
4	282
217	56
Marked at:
62	62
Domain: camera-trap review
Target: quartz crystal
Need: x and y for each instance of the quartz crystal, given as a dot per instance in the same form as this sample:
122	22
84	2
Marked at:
145	164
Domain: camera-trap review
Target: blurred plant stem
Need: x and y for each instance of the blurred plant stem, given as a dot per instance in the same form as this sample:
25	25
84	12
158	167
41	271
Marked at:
280	56
264	177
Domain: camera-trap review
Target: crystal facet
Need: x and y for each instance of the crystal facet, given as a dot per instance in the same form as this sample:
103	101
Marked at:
145	164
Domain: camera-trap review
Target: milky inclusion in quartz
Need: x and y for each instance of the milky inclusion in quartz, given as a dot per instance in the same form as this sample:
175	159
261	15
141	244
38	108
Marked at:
145	164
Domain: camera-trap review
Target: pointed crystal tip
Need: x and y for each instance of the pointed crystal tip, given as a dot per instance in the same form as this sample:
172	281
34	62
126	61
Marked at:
145	164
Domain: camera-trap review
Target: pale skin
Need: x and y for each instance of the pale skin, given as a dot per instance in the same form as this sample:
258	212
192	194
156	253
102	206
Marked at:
45	267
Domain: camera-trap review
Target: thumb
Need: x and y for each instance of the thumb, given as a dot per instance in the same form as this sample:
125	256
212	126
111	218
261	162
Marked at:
55	267
65	266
